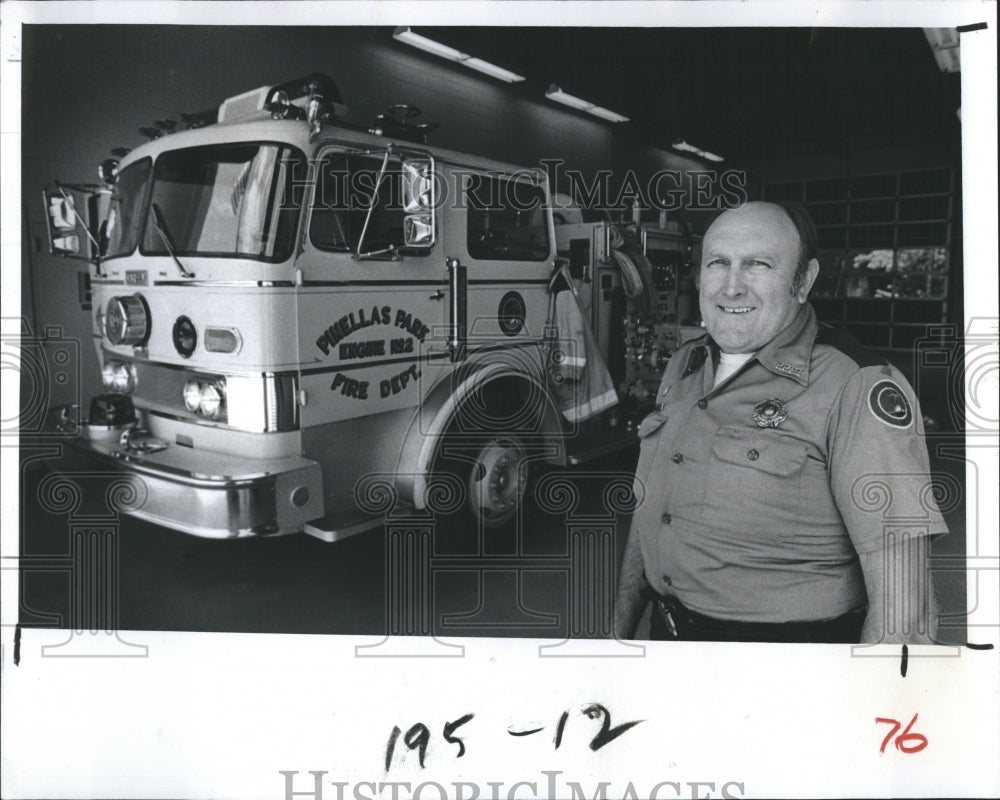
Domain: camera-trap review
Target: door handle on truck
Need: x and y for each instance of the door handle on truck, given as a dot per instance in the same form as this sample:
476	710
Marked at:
437	295
457	309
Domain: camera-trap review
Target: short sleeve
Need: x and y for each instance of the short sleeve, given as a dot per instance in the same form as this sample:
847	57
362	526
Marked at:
879	468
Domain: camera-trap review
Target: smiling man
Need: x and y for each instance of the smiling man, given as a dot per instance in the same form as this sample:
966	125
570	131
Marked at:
783	481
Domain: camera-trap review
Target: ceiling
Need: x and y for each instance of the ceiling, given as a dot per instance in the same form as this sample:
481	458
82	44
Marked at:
744	93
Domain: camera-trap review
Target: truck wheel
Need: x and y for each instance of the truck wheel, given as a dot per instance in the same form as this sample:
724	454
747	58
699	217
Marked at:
487	449
496	483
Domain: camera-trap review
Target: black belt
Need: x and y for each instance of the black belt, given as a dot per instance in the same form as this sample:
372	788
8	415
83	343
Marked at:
671	619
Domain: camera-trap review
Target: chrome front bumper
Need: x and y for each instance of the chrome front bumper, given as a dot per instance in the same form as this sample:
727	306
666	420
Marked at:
200	492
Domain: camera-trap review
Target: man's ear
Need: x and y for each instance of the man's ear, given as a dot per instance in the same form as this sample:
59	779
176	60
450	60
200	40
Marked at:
812	272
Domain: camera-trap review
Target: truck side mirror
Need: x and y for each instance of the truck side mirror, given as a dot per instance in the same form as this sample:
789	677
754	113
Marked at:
418	203
418	230
68	233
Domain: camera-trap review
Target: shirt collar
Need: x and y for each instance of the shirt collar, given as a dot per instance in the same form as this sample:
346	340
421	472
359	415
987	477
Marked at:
788	354
698	355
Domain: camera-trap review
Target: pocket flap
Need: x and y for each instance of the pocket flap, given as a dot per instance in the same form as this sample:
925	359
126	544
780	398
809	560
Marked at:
771	454
651	424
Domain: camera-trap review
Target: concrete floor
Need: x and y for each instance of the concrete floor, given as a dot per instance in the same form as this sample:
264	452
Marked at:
556	582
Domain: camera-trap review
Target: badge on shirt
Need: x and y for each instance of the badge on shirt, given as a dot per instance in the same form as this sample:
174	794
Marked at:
888	404
770	413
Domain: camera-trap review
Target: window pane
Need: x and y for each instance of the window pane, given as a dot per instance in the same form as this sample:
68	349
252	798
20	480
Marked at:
868	186
385	224
923	233
832	237
125	213
348	187
828	213
871	335
831	189
924	208
783	191
871	235
926	313
925	181
912	286
828	281
506	220
328	225
867	311
873	211
828	310
922	259
939	287
868	273
907	335
222	200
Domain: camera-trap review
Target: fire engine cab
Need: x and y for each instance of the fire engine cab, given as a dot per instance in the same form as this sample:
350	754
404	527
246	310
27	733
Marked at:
306	324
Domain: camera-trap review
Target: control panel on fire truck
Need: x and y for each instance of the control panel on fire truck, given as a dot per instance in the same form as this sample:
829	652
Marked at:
637	286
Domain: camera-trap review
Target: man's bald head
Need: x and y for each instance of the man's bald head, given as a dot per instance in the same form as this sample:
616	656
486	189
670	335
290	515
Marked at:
805	230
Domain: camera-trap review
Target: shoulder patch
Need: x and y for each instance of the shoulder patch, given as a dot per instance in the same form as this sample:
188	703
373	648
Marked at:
841	340
888	404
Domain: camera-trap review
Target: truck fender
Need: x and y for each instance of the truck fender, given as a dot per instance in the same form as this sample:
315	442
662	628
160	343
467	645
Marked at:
438	411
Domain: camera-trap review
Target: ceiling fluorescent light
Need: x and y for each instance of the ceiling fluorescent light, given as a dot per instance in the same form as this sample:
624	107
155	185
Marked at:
492	69
603	113
559	96
407	36
690	148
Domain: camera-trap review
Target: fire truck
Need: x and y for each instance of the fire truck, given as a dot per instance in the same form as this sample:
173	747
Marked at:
305	324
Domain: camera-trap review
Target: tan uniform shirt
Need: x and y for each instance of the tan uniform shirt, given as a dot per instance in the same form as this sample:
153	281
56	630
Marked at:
756	496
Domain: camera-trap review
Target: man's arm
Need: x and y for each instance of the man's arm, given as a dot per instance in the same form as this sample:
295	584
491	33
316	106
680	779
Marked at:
880	476
629	602
901	602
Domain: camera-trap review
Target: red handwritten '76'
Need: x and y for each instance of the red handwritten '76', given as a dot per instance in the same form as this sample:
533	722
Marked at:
902	741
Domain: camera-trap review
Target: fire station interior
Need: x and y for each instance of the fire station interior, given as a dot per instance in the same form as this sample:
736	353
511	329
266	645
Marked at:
861	125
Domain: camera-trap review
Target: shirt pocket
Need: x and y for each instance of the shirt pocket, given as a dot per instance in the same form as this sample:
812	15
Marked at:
649	442
753	481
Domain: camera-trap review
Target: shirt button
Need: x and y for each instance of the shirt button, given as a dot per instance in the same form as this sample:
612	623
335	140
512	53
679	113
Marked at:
666	580
753	455
678	458
666	519
703	404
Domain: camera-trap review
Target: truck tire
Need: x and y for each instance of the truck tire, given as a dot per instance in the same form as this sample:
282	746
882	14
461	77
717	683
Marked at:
487	448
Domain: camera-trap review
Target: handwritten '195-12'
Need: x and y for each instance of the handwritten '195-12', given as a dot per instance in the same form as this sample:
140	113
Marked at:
417	737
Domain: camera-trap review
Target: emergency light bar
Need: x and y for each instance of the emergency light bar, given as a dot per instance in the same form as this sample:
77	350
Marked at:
407	36
559	96
298	92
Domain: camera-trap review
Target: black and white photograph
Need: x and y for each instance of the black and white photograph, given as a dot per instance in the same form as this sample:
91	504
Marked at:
610	397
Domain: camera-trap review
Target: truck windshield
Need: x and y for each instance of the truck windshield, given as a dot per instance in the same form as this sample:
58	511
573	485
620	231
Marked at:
125	212
224	200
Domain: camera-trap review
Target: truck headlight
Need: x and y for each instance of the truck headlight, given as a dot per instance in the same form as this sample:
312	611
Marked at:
124	379
206	398
192	396
118	376
212	399
108	374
